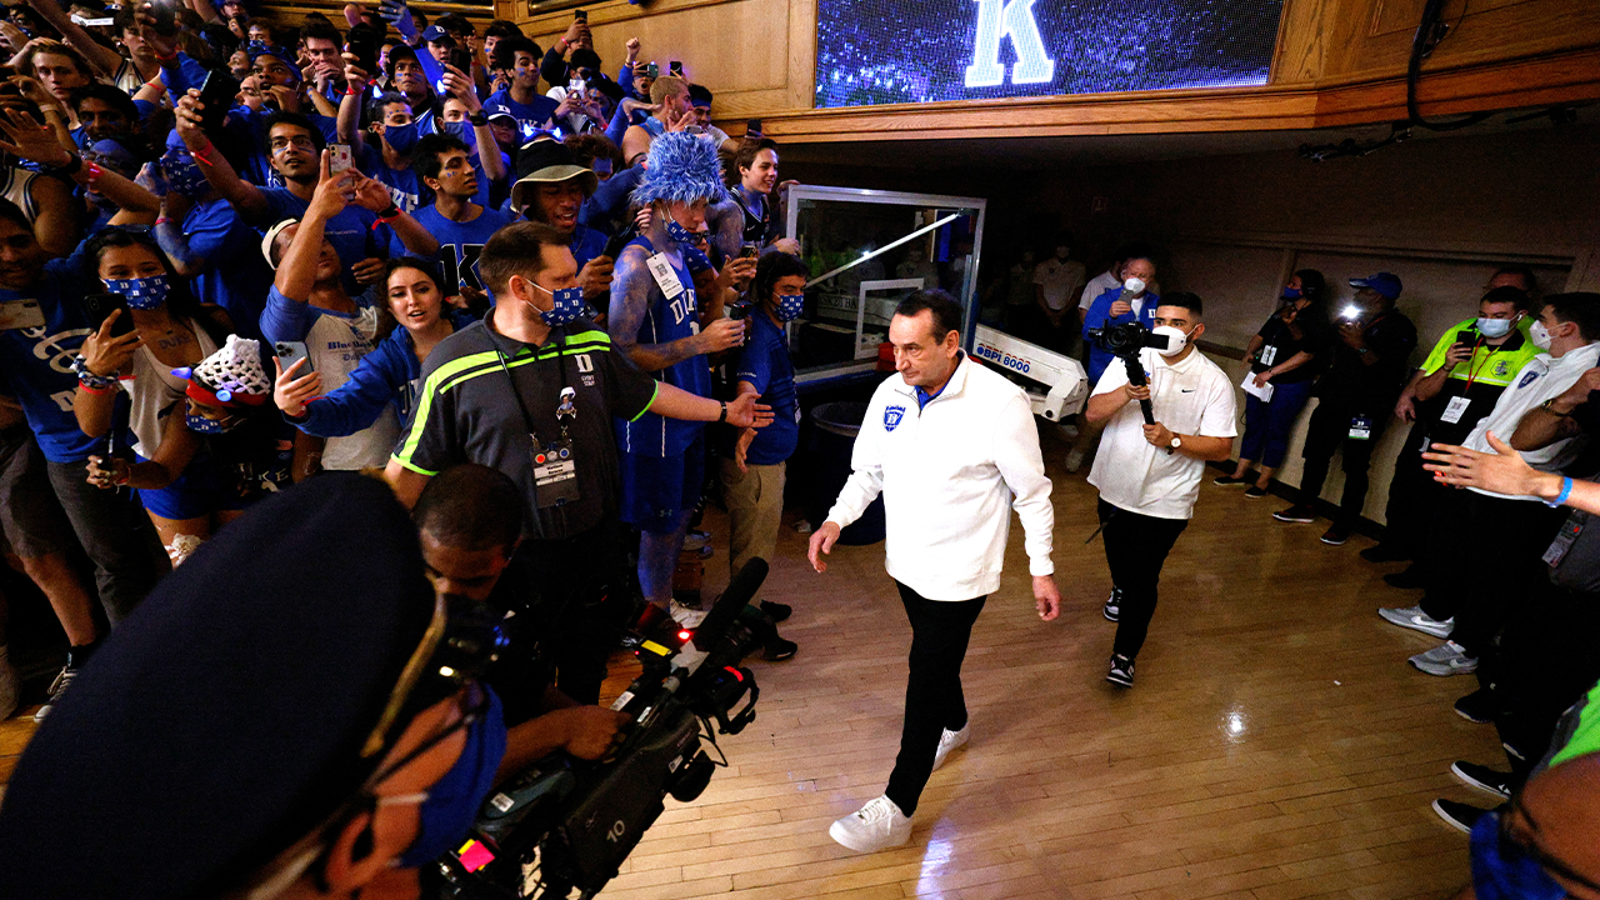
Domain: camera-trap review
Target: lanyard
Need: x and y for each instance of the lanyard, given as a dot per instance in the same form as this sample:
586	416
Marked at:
1472	371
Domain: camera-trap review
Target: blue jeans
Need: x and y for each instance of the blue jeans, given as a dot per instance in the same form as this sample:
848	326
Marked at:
1267	425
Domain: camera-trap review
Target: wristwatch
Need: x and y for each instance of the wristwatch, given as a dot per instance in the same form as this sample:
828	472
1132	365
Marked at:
478	119
1177	444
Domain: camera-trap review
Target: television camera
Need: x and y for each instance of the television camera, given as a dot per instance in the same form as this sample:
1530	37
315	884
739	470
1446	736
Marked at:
1124	342
565	824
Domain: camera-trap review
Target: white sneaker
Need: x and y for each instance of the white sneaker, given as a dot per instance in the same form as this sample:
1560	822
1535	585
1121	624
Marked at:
1449	658
950	740
1414	618
878	825
686	617
1074	460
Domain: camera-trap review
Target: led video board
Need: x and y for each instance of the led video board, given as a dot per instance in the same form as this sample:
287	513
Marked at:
921	51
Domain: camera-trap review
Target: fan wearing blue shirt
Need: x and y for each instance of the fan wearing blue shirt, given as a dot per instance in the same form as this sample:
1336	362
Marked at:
297	151
391	373
533	111
551	188
1132	302
460	223
389	117
753	467
38	361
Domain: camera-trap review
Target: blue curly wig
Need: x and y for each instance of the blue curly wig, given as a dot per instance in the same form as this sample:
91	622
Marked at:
682	168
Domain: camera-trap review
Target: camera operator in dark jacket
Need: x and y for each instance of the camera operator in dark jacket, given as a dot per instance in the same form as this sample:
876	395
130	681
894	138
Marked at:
1357	395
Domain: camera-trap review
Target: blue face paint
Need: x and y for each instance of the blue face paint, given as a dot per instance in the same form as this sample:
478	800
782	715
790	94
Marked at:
401	138
790	306
141	293
454	799
1503	871
568	305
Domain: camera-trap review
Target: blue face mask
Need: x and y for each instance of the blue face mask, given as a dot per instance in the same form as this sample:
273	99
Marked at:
202	425
1290	293
681	234
568	306
790	306
453	801
141	293
183	175
1501	871
401	138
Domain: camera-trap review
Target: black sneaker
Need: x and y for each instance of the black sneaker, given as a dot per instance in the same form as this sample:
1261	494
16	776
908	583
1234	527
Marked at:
1460	816
1299	513
1113	608
1229	481
1121	670
1337	535
1477	707
1483	778
777	612
1254	492
57	689
1408	580
1382	553
778	650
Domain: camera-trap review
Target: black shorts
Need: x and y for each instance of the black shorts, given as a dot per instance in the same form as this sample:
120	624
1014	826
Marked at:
31	518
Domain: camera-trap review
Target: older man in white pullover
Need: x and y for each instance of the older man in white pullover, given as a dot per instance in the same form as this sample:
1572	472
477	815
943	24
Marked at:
949	444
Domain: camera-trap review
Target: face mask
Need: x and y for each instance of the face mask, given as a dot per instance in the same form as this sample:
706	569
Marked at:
452	803
568	305
1540	336
1494	328
1133	285
1501	871
202	425
790	306
1176	339
401	138
1290	293
183	175
681	234
141	293
454	129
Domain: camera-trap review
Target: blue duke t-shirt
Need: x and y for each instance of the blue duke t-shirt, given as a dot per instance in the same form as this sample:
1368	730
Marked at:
531	117
236	277
764	362
350	232
459	243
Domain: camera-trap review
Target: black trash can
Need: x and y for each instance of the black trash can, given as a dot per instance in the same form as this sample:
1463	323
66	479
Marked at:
831	442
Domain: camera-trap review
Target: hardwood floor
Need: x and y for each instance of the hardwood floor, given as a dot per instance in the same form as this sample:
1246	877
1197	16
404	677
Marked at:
1275	747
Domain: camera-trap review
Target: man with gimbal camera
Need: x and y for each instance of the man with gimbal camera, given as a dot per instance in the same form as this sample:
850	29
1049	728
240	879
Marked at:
1158	436
948	443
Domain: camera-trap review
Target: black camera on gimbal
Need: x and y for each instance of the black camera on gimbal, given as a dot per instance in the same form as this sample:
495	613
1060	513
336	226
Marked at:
1124	342
1127	339
565	824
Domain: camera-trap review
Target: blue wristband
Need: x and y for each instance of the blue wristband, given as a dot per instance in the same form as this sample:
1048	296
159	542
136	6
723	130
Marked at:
1566	491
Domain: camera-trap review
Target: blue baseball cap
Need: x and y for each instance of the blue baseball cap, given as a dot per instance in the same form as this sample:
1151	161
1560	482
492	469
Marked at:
1384	283
257	49
435	33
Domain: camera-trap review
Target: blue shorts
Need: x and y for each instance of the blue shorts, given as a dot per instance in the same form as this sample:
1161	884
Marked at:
657	492
193	494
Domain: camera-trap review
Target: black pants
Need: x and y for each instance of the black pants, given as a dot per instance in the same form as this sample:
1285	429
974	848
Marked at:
1136	549
1412	496
582	591
940	630
1493	562
1329	430
1545	662
115	532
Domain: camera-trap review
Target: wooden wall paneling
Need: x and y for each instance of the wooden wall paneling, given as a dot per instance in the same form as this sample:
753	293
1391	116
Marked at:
1302	41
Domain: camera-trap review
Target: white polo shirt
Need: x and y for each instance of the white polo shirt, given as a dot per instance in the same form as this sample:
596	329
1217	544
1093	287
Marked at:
1193	397
1542	378
951	472
1058	280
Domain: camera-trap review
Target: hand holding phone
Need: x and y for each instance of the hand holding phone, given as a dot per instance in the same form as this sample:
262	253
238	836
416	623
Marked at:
290	352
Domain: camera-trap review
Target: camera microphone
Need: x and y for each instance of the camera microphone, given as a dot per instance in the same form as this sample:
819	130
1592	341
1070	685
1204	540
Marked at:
741	590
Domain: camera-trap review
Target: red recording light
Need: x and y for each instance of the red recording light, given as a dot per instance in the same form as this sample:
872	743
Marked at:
684	634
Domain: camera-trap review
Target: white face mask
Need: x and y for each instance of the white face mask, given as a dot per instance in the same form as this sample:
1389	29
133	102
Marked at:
1133	285
1494	328
1176	339
1540	336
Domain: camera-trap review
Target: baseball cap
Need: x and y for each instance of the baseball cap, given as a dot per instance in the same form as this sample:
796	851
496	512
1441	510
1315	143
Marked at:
1384	283
434	33
499	111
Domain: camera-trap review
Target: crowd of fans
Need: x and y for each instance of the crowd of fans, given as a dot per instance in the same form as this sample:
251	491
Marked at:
232	249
